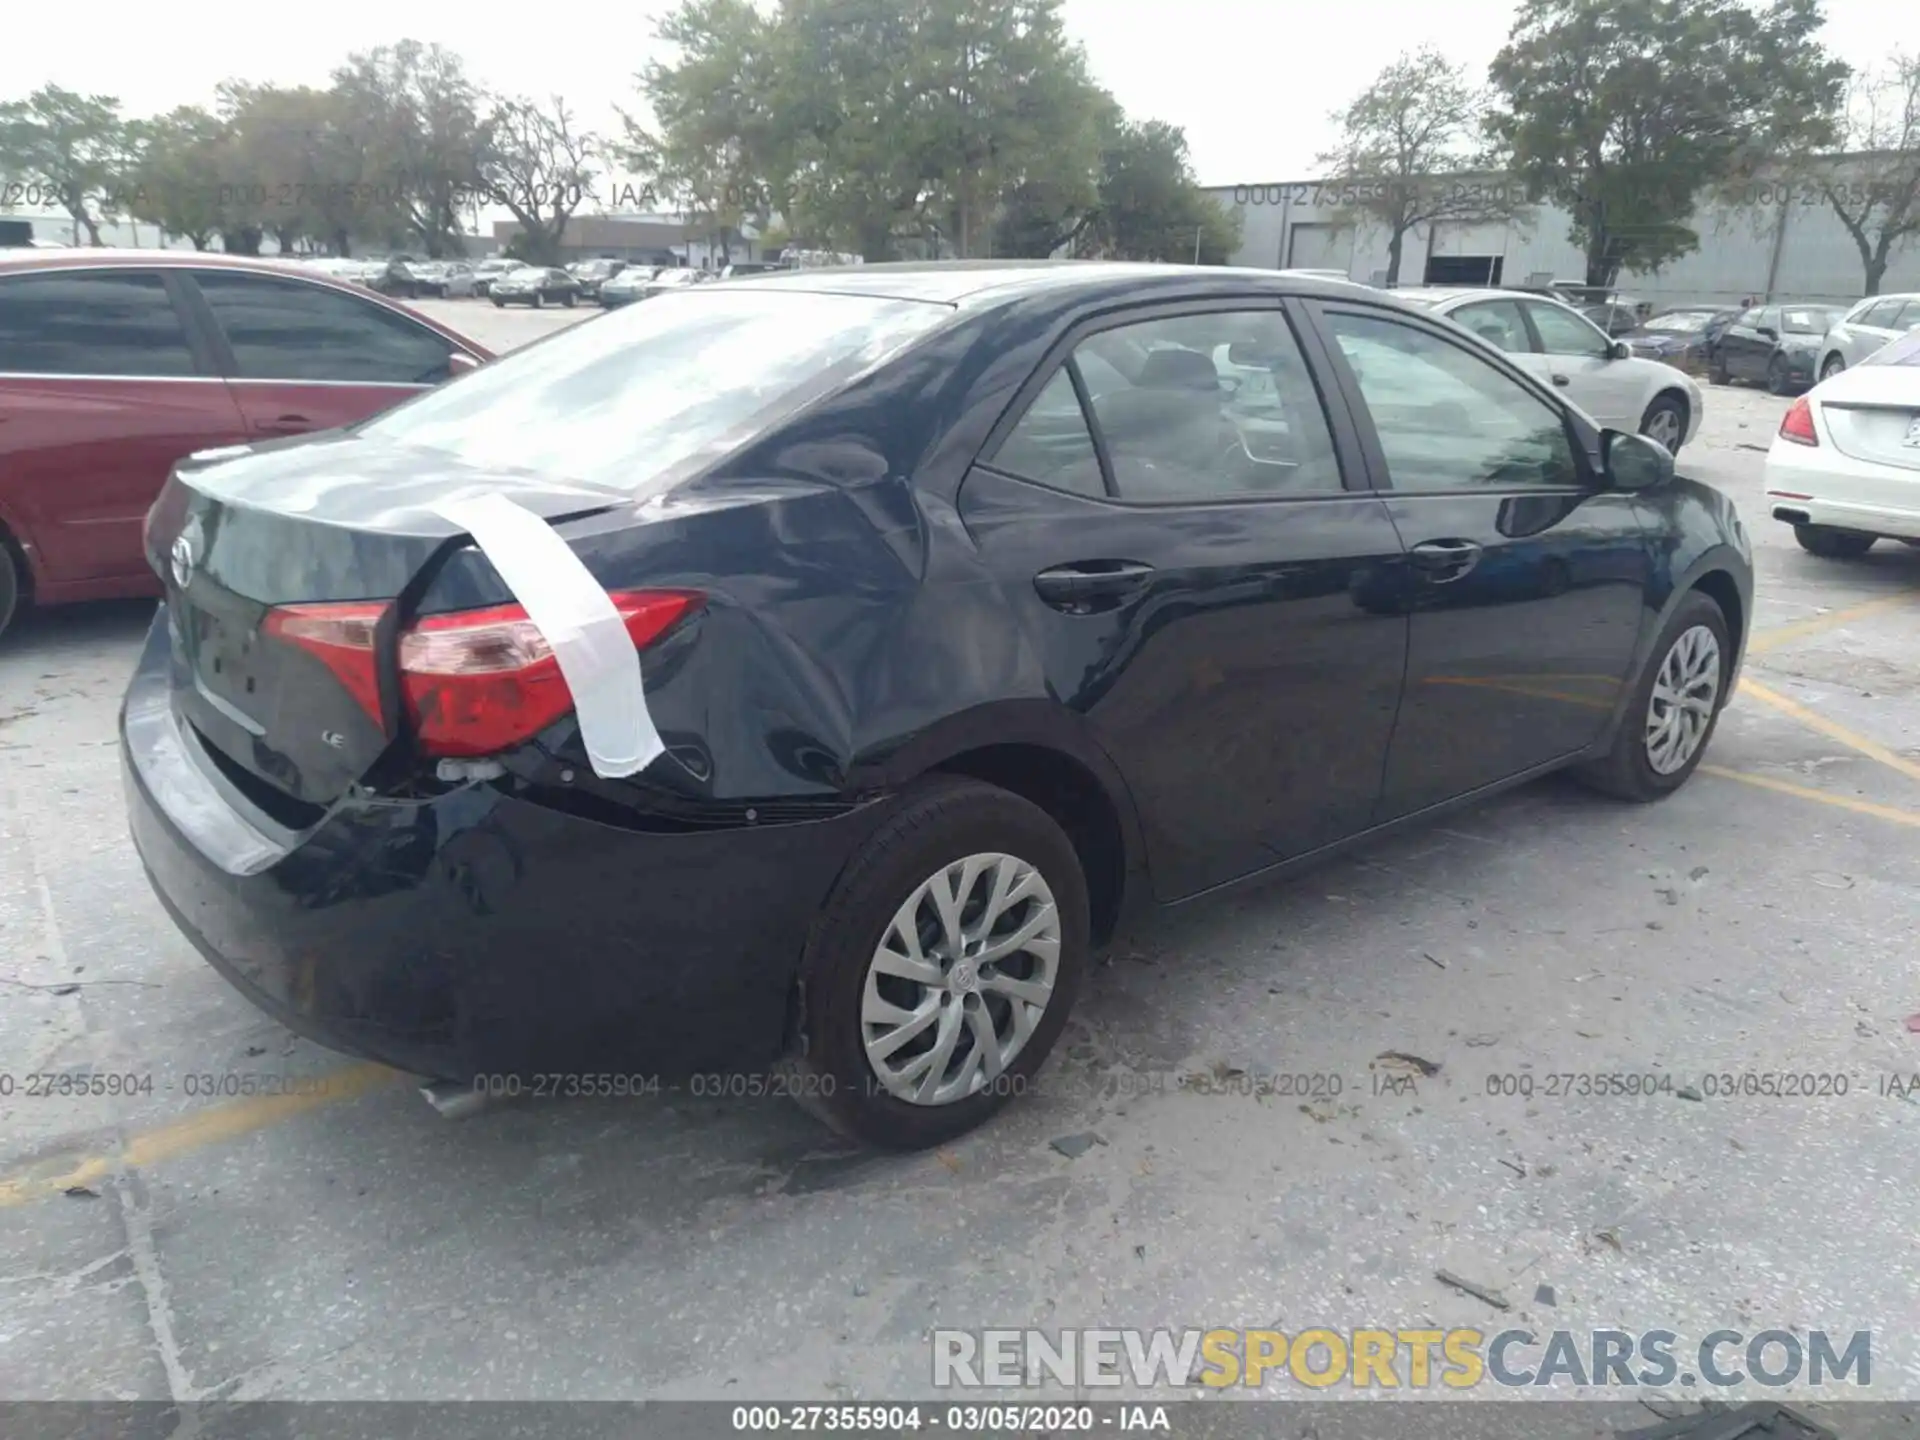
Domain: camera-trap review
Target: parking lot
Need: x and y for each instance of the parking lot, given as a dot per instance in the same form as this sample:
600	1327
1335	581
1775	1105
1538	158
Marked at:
339	1239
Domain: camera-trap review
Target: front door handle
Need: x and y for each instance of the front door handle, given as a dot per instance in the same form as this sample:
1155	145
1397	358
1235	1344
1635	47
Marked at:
1561	380
1091	585
1442	560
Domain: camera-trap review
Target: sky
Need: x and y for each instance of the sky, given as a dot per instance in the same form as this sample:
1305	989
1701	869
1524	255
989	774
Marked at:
1252	81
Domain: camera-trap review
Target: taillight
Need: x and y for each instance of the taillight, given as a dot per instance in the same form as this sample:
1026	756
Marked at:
1797	424
475	682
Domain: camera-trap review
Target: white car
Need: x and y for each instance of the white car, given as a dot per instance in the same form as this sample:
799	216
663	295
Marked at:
1844	470
1568	351
1875	321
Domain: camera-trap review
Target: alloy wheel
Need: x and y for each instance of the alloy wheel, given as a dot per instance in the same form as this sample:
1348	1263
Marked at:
1685	691
1663	427
960	980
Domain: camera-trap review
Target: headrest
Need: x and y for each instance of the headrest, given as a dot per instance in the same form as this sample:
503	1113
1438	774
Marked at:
1178	370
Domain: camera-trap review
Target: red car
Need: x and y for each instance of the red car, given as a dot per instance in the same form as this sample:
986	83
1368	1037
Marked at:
116	363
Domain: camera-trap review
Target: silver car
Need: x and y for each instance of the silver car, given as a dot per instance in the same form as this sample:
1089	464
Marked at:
1877	320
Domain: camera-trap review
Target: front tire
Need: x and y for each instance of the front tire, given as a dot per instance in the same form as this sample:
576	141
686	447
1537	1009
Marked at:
1676	703
570	300
1831	544
1832	368
534	303
498	303
941	970
1717	369
1666	422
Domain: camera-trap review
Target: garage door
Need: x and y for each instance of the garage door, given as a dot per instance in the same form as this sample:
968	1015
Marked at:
1321	247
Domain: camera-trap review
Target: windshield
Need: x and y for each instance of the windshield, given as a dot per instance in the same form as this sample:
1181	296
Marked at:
623	400
1686	322
1808	322
1904	351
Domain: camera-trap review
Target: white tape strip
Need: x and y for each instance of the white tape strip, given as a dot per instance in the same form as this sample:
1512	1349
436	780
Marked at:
596	654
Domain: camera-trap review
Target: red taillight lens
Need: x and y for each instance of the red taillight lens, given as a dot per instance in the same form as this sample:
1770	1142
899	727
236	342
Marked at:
475	682
1797	424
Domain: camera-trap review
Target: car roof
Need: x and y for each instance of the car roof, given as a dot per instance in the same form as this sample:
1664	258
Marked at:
1447	295
967	283
85	257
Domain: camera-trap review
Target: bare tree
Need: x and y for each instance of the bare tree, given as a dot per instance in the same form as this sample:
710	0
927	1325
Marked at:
540	166
1409	154
1873	186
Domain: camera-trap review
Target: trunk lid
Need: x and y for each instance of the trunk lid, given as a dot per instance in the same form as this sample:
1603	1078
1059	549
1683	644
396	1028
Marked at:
1873	414
237	533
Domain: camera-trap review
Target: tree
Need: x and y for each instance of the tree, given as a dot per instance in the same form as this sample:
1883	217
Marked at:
539	165
1406	144
73	146
1624	111
417	120
1150	206
714	149
174	183
1873	185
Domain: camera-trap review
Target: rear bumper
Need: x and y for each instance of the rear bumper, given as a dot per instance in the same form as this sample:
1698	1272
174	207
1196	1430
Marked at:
1842	493
478	933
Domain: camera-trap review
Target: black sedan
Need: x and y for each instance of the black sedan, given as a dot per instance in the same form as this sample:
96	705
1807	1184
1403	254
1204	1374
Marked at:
1779	344
535	285
1681	338
795	679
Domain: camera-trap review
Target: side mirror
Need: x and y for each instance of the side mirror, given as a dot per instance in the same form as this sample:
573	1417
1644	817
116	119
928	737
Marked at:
1619	351
460	363
1633	462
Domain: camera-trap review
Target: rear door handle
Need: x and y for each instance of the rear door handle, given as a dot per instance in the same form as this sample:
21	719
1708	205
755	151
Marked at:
284	425
1442	560
1091	585
1561	380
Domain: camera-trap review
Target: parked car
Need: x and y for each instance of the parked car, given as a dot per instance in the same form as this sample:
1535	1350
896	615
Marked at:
626	287
116	363
535	285
441	279
943	755
1678	337
589	275
1873	322
1844	470
1779	344
490	270
393	277
741	269
674	277
1617	317
1557	344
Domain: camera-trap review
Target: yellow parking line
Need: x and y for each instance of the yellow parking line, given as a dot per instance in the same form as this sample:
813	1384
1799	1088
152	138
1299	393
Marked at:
1800	629
199	1130
1803	792
1832	729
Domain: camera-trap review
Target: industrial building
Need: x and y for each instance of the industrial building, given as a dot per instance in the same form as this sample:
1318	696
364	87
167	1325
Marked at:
1781	242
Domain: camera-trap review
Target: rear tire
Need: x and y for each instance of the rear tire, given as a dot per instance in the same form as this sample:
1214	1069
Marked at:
535	301
1832	368
13	586
570	301
1777	376
1831	544
1629	771
499	304
943	822
1717	369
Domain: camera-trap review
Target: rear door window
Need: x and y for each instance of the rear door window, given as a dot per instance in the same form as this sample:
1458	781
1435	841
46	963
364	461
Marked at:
109	323
285	329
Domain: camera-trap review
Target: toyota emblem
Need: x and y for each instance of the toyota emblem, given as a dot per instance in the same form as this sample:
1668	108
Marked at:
182	561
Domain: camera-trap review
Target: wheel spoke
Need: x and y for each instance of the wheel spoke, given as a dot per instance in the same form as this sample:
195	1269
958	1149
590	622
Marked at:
986	1045
1027	937
909	1025
941	1055
915	967
1027	992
